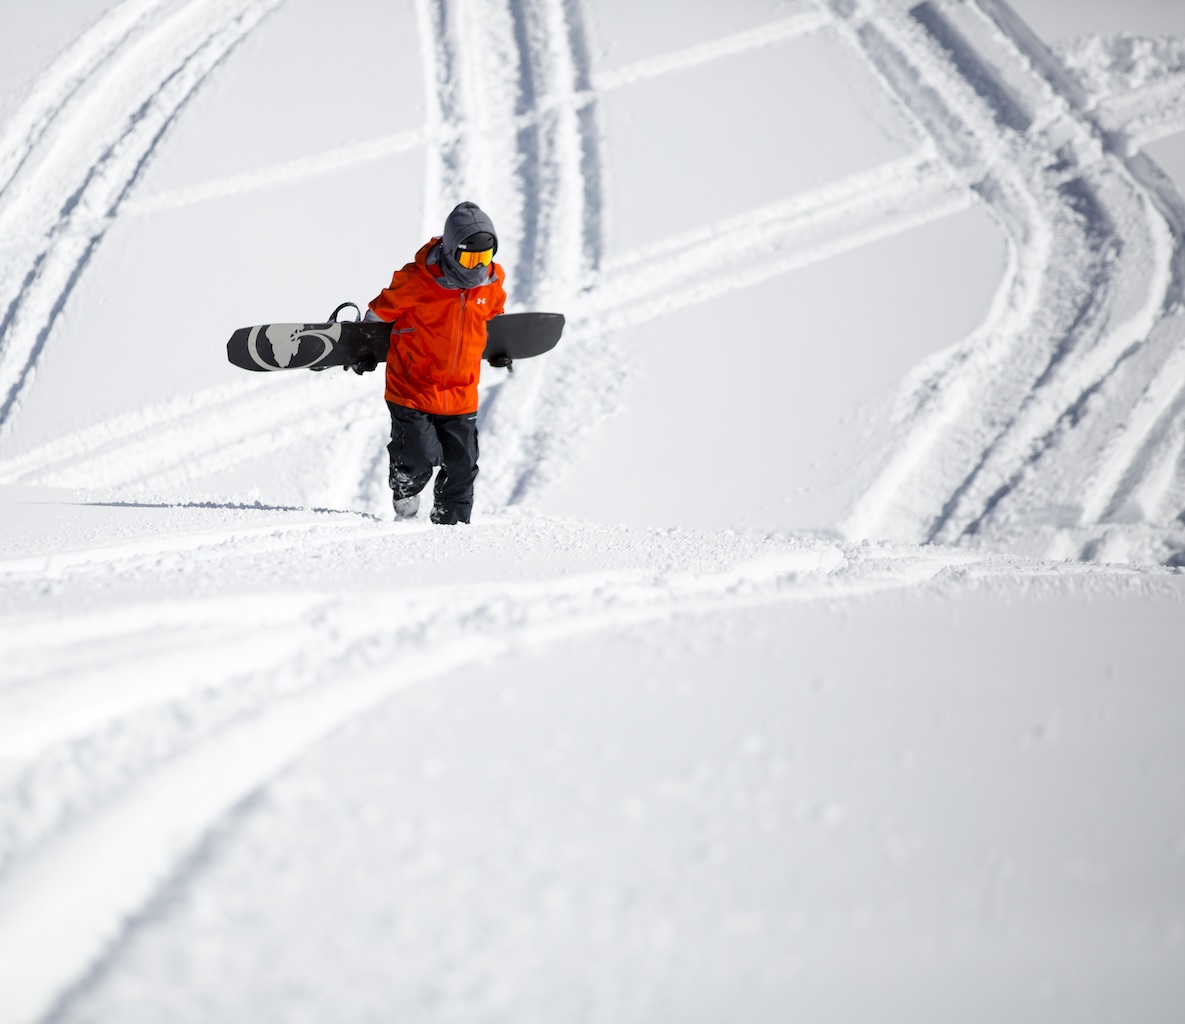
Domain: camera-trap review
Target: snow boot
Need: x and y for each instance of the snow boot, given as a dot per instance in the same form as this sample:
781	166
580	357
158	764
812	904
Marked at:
406	508
445	516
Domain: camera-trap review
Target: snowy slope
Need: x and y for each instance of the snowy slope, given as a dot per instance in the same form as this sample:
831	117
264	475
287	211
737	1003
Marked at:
813	651
155	683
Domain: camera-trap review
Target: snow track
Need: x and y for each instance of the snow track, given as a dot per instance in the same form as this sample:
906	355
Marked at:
770	241
1144	115
327	528
75	149
1065	355
186	440
533	152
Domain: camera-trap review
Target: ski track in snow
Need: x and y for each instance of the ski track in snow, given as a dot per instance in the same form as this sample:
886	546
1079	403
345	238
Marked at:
147	723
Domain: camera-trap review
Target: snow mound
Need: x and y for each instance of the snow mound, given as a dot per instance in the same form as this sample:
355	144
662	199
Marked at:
1109	65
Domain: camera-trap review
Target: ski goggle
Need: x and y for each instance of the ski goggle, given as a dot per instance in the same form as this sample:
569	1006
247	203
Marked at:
470	258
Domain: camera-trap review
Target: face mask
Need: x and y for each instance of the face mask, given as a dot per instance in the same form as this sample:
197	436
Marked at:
457	276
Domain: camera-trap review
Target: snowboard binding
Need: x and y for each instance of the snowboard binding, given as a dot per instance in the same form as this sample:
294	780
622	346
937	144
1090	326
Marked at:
354	306
365	359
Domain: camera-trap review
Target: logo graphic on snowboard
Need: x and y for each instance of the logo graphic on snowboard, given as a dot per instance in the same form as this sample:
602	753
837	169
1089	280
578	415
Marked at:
292	347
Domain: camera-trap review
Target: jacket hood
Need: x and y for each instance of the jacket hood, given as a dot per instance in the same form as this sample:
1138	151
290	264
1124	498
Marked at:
465	220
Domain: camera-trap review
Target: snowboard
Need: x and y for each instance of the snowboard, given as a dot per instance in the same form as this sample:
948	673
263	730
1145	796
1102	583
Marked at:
341	343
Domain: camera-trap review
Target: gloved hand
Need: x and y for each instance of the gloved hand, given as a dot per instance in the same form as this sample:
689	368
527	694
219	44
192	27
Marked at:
364	363
505	361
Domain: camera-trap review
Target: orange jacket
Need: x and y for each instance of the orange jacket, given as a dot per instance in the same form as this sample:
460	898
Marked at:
437	336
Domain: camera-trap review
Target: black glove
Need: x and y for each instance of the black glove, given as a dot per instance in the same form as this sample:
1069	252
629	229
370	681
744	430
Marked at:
505	361
365	361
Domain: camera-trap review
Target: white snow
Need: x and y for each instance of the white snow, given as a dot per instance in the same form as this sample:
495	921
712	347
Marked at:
814	652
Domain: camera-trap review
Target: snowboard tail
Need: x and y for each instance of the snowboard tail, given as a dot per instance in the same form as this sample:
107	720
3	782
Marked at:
267	347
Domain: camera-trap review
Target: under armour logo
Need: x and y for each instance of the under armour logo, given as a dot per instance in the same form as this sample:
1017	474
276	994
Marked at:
481	302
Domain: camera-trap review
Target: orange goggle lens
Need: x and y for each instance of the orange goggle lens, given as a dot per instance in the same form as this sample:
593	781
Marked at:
470	259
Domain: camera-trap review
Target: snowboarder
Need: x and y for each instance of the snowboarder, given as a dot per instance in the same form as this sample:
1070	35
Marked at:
438	306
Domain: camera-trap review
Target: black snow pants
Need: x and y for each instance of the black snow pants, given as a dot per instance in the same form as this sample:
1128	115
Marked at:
421	440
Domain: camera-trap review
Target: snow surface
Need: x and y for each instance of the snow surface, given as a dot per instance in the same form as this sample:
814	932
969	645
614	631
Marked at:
814	652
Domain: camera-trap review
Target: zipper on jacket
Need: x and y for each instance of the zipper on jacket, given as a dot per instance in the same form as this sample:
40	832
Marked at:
460	335
403	358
